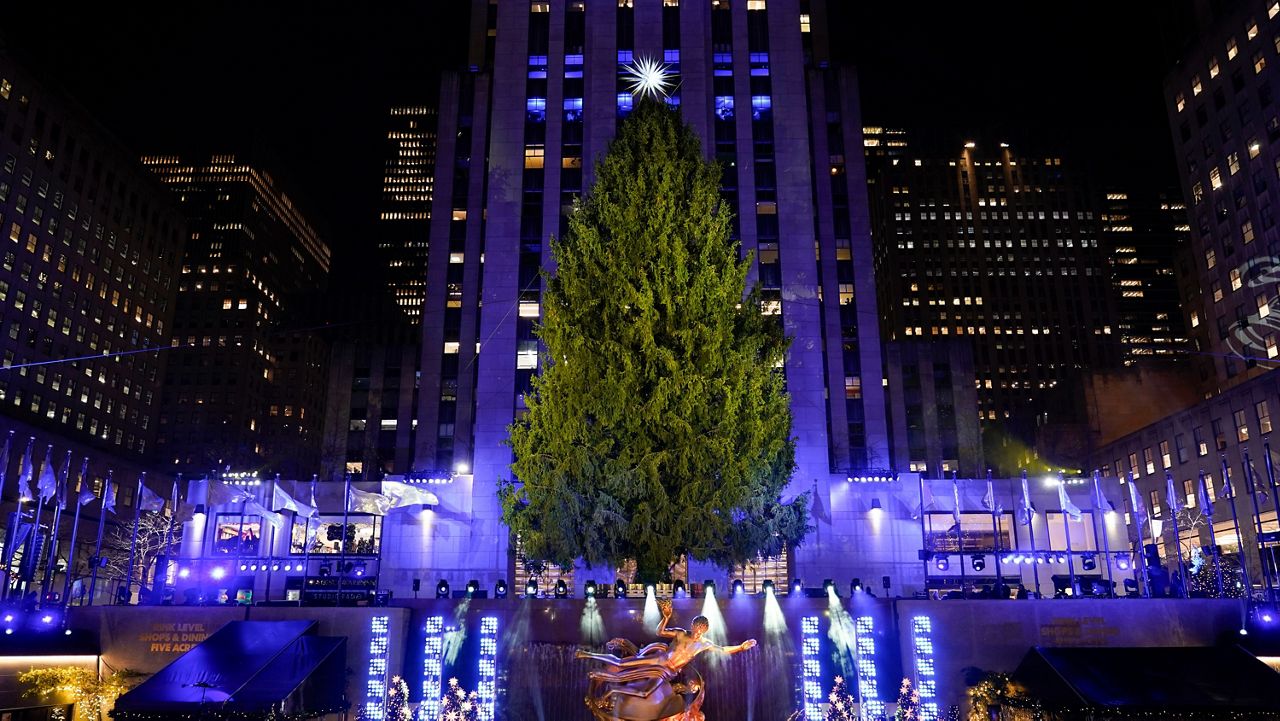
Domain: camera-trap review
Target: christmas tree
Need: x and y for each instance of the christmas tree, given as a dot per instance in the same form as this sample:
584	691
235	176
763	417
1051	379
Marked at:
398	700
659	426
908	702
841	707
458	705
953	713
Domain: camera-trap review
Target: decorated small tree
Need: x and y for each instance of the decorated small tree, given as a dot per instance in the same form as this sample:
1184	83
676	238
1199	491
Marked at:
908	702
92	695
458	705
398	700
842	703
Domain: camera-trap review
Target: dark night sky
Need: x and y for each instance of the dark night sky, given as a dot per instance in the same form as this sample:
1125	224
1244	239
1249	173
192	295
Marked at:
313	80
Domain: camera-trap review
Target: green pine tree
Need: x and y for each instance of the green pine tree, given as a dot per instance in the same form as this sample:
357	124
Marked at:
398	700
908	702
659	426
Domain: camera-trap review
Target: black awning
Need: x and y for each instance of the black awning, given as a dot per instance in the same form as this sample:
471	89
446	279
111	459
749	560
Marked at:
246	668
1187	679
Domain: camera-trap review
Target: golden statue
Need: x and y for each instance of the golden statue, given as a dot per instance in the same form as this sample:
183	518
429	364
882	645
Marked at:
647	684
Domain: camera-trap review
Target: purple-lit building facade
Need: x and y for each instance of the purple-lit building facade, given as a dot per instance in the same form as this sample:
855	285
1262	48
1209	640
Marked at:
537	107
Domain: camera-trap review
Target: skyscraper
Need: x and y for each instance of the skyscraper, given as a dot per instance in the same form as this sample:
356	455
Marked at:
92	246
247	390
404	210
1003	251
543	98
1145	234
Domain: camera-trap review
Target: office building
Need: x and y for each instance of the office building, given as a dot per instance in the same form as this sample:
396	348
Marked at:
246	390
404	208
544	96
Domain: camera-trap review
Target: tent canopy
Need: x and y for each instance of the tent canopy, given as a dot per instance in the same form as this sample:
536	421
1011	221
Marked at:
1204	679
246	667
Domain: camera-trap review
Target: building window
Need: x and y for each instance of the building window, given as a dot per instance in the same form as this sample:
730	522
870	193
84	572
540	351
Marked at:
1264	417
1210	259
363	534
1166	459
1133	464
1188	494
1264	305
1219	437
1202	447
1180	445
1236	279
233	538
1259	62
1150	460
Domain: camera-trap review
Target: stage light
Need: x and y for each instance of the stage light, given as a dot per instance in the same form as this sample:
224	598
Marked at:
708	587
500	589
8	618
1243	631
767	587
797	586
1089	562
678	590
531	589
619	588
855	586
442	589
218	573
942	563
66	632
1004	559
737	589
275	566
561	589
361	568
46	619
324	570
9	631
244	567
922	653
978	561
829	587
1040	559
184	572
589	589
1122	563
473	586
432	666
253	567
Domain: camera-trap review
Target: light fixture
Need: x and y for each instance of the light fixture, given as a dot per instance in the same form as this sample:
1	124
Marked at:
829	587
218	573
442	589
473	587
738	588
66	632
619	588
797	586
361	568
647	77
1122	563
855	586
970	145
252	567
767	587
875	505
978	561
678	589
325	569
942	563
708	587
275	565
500	589
589	589
562	589
244	567
184	572
531	589
1089	562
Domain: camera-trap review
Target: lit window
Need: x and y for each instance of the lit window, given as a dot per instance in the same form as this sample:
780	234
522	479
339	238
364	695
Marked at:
760	5
529	309
1246	231
1273	9
1213	68
1181	102
1264	305
1215	177
1255	148
1259	62
1251	30
451	347
1232	50
1195	319
1264	416
1237	280
1242	427
533	157
1233	163
1210	259
804	22
1196	87
1270	343
1216	289
226	304
242	304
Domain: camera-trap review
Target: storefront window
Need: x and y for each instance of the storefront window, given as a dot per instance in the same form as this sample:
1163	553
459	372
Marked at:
363	536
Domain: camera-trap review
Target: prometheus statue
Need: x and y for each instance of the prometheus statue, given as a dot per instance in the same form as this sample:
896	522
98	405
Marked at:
651	684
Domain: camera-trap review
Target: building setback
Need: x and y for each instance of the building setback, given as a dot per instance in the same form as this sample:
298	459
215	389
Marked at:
1002	251
542	100
247	389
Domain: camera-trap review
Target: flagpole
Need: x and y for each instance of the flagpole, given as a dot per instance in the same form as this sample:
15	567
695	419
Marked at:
1213	539
52	557
1031	532
1093	522
97	551
271	545
75	529
4	475
306	543
35	531
995	532
1257	517
924	533
1177	534
1135	499
1235	521
1066	531
162	575
955	488
346	509
133	539
1275	501
244	504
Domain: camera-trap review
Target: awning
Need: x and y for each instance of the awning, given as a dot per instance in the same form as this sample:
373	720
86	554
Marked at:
1203	680
246	668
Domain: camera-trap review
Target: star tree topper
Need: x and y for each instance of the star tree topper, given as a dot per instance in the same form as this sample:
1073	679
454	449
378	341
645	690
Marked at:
649	78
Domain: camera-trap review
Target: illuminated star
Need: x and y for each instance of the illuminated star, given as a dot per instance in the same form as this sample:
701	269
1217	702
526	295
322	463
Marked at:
649	78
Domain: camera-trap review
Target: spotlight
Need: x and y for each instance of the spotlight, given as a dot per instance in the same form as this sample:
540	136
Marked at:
324	570
797	586
1089	562
1243	631
500	589
218	573
184	572
589	589
855	586
531	589
1266	614
1122	563
1005	560
244	567
66	632
619	588
442	589
275	566
678	590
942	563
978	561
829	587
1040	559
46	619
562	589
361	568
9	631
252	567
737	589
708	587
473	586
767	587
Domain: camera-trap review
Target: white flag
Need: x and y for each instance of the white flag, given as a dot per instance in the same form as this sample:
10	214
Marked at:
221	493
408	494
47	486
1069	508
1176	501
275	520
365	502
109	495
282	501
26	474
